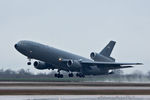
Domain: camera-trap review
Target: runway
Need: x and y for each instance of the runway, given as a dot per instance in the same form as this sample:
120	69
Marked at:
75	97
71	88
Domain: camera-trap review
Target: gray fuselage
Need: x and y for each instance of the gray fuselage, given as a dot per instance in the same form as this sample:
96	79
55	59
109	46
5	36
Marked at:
47	54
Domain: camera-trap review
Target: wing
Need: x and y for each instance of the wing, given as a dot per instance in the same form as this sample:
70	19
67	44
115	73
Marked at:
109	65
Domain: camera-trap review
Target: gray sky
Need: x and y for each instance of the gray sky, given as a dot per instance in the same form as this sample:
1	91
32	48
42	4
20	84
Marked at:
78	26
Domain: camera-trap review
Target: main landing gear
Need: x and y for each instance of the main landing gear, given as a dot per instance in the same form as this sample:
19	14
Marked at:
81	75
59	75
70	74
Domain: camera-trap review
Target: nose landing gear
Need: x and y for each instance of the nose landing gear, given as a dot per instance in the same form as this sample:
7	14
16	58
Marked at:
29	62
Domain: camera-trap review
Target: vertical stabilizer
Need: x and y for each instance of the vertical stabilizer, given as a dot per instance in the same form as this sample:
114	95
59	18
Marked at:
108	49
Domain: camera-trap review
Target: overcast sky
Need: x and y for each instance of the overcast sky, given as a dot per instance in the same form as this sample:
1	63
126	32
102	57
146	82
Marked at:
78	26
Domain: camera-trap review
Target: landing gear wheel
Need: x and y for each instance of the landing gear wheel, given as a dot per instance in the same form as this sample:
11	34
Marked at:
56	75
59	75
70	74
77	75
28	63
80	75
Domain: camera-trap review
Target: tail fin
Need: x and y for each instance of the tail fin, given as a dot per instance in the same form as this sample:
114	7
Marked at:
108	49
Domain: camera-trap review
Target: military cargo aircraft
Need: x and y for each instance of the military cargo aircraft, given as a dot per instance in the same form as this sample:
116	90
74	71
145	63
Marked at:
51	58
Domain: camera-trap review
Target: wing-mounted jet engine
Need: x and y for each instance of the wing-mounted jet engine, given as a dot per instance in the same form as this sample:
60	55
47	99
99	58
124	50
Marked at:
42	65
73	63
70	63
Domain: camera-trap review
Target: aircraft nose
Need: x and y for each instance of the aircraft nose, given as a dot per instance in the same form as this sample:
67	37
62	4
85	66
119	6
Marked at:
16	46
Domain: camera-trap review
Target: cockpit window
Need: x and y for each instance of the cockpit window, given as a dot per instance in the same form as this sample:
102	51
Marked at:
20	43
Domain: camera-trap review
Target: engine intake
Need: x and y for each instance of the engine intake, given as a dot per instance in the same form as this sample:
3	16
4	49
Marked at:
93	54
73	63
99	57
69	63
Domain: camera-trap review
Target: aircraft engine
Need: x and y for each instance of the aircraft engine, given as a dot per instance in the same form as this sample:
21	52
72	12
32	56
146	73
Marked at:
93	55
73	63
98	57
41	65
69	63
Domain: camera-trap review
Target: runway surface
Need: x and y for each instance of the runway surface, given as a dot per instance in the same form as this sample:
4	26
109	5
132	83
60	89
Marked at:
71	88
75	97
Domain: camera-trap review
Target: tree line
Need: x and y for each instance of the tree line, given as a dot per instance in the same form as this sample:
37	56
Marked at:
119	76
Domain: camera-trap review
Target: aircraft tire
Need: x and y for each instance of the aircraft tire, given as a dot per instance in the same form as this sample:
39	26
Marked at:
60	75
28	63
81	75
56	75
70	75
77	74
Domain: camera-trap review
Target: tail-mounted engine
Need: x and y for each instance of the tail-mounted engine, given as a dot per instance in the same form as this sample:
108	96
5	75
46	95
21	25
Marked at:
99	57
